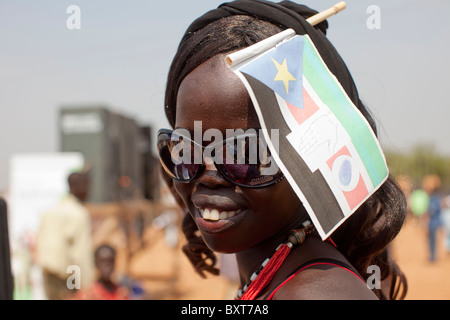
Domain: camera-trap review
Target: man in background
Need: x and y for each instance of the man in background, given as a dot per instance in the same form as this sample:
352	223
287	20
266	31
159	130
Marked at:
64	240
431	184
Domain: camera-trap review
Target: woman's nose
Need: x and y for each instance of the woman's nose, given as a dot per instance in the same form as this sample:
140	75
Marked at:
209	164
211	177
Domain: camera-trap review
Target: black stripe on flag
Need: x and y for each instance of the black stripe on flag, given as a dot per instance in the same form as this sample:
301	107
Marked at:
312	184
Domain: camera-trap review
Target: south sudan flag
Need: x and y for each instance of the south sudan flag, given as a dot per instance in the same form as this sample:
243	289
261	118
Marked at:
327	149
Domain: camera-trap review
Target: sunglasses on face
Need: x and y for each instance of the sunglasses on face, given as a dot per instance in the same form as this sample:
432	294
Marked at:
241	159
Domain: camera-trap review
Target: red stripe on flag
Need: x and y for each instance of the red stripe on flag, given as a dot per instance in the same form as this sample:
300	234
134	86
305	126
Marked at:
355	196
358	194
341	152
309	108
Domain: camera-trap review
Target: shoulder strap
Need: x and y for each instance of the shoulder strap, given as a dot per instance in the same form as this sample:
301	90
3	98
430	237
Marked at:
313	263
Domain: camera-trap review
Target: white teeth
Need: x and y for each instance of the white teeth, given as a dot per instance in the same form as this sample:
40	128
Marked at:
223	215
206	214
216	215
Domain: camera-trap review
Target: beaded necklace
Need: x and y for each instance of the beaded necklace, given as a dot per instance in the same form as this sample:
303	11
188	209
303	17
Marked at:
264	274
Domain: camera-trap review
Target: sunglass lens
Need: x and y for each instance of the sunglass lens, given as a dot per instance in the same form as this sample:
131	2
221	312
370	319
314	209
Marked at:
248	174
172	160
245	167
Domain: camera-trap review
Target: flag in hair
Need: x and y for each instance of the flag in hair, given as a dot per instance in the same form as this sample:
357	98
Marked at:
327	149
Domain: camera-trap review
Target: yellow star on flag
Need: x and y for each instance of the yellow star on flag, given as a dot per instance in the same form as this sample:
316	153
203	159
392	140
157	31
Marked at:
283	74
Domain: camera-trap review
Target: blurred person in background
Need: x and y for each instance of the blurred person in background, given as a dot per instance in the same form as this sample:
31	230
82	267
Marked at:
105	287
419	201
446	221
64	239
431	185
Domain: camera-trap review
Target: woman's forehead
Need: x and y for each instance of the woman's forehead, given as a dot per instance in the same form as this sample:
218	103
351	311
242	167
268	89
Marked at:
213	94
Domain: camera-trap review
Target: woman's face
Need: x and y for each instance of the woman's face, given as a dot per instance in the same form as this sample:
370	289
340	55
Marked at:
214	95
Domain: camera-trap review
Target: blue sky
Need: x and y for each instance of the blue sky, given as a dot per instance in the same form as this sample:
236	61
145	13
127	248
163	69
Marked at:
121	55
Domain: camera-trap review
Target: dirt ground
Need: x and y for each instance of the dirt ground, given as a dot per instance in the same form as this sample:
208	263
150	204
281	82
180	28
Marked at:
426	280
167	274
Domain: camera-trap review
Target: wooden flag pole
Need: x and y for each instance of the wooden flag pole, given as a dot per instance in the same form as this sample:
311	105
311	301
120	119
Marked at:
321	16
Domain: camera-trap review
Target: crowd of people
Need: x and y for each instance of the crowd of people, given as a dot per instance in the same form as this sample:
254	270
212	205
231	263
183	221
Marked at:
71	267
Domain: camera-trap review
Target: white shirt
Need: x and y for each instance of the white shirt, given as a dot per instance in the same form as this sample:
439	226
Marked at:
64	239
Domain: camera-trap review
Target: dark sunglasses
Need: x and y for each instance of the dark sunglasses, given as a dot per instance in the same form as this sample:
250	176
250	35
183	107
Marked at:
182	159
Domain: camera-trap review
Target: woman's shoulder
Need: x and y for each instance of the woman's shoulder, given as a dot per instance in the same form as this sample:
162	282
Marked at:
325	275
324	281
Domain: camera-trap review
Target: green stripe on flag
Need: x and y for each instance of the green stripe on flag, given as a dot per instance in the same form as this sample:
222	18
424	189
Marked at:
335	98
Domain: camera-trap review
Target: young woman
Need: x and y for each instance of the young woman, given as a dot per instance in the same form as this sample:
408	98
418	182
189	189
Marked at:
251	215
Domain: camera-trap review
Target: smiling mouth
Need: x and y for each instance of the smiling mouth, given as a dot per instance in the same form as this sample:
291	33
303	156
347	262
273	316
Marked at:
216	215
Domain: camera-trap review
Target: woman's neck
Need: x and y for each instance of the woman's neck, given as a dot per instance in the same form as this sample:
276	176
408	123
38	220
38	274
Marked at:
250	259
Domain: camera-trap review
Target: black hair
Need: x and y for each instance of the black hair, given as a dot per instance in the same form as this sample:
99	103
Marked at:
364	238
77	178
225	35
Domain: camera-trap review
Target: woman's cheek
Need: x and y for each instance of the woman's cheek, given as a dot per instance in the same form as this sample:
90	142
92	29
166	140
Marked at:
184	190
